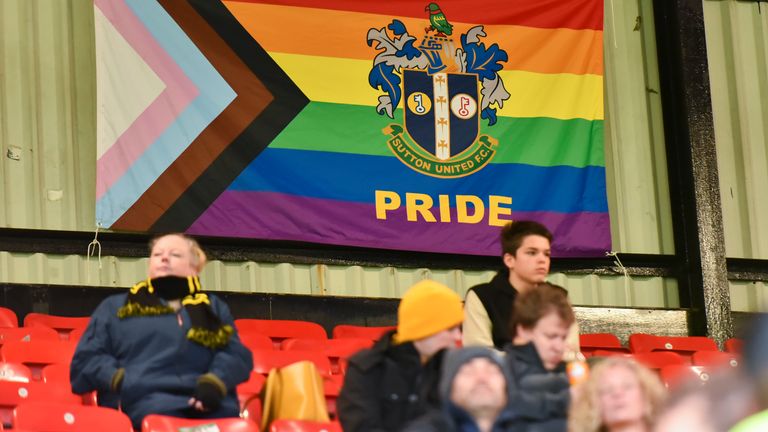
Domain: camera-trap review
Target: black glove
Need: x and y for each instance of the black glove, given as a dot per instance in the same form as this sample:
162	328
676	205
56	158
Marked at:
210	391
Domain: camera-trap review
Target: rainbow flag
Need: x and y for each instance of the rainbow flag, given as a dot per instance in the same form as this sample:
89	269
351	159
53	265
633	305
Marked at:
399	124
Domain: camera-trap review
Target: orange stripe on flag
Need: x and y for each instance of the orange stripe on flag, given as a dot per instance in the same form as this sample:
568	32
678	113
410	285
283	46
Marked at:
328	33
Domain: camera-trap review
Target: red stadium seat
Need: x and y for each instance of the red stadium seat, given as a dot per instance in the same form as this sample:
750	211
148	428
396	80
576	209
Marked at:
8	318
683	345
14	393
355	331
278	330
15	372
714	359
734	345
63	325
251	409
250	388
266	360
652	360
674	375
28	334
65	418
591	342
37	353
76	334
254	341
334	349
59	373
304	426
160	423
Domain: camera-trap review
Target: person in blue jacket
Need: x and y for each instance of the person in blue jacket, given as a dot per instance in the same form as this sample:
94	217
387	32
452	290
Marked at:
165	347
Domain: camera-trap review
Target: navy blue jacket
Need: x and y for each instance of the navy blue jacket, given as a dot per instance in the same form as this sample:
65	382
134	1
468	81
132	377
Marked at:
161	365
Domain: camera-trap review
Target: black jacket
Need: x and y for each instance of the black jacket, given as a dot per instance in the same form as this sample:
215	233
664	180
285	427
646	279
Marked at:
386	386
543	396
498	296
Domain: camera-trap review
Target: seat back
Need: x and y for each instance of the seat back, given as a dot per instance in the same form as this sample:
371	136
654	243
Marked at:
363	332
15	372
714	359
160	423
657	360
27	334
63	325
254	341
266	360
304	426
14	393
277	330
591	342
684	345
678	374
250	388
65	417
8	318
38	353
337	348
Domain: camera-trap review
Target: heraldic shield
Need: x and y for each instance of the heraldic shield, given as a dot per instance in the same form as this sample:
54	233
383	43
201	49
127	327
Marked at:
441	113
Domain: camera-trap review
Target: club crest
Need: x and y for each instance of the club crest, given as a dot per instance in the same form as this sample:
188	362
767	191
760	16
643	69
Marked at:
446	91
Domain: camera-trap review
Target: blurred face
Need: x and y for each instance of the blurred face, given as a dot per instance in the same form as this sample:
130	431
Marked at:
529	266
171	256
479	385
548	336
428	346
621	398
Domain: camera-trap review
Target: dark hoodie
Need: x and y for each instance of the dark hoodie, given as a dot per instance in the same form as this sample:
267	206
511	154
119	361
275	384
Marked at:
451	418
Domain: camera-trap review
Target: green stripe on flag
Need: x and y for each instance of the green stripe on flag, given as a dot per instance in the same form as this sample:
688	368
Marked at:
533	141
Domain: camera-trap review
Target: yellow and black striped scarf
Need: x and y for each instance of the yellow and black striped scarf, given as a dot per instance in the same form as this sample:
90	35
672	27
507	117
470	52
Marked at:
144	299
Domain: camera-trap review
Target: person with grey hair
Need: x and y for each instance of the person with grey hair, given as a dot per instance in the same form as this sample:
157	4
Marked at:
476	393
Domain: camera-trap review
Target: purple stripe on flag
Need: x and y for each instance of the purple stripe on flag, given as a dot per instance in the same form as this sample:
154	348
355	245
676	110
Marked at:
275	216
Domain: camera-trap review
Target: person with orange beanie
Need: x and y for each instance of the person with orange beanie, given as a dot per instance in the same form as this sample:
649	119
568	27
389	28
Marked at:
395	381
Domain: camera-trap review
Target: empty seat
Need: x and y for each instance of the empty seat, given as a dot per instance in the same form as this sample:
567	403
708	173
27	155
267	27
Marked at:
251	388
160	423
59	373
14	393
266	360
15	372
254	341
63	325
684	345
334	349
278	330
304	426
714	359
657	360
675	375
67	417
8	318
27	334
355	331
36	354
591	342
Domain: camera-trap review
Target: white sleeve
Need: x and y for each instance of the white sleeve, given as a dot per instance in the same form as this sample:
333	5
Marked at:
477	324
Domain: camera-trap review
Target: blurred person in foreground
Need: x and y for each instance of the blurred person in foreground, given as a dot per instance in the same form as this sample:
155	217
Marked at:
620	395
540	324
165	347
476	393
395	381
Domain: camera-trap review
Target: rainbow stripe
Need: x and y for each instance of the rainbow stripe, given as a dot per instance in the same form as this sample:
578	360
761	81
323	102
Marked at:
317	179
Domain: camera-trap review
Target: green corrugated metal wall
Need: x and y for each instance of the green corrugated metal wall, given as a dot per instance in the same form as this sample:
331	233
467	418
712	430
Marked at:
47	174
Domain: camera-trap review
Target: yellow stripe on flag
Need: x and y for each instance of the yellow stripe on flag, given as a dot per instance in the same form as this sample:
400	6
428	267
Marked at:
345	81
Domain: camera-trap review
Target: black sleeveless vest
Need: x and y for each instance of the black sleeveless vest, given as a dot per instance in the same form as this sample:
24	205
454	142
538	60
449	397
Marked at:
498	297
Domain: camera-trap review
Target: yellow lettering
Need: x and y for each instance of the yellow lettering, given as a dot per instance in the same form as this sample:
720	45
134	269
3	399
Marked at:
445	208
385	201
416	203
462	214
495	210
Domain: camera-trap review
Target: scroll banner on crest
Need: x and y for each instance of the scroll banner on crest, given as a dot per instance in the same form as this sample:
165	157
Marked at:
407	125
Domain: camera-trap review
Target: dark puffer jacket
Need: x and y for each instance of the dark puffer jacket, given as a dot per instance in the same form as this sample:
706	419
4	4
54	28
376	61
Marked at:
386	386
542	395
161	365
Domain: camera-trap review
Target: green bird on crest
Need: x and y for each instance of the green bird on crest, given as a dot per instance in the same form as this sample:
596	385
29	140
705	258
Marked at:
438	21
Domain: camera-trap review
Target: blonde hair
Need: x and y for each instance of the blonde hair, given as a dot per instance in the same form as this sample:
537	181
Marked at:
585	414
198	256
